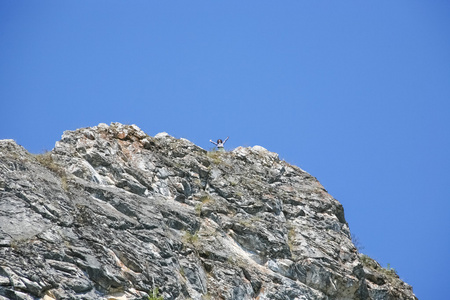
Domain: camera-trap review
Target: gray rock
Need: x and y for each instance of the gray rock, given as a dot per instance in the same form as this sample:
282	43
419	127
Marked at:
112	213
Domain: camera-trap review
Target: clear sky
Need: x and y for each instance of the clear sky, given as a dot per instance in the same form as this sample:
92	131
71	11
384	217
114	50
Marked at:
357	93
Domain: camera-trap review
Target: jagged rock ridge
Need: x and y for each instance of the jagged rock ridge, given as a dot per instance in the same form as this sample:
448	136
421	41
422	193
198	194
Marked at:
112	213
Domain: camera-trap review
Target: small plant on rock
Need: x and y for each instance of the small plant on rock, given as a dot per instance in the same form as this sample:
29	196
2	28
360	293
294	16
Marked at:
357	243
189	238
390	270
206	199
291	237
198	209
46	160
154	295
215	156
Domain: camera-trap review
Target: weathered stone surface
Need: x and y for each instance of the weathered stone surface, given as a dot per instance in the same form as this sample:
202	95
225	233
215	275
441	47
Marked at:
112	213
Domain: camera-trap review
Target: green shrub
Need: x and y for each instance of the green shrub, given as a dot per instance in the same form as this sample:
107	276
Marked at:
370	263
189	238
154	295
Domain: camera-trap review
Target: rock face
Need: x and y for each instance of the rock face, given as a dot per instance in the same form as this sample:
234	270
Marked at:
112	213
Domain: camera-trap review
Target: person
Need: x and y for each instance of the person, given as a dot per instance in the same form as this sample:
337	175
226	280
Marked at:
220	144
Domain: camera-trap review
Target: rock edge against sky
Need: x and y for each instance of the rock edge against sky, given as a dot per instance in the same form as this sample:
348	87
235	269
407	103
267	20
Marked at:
112	213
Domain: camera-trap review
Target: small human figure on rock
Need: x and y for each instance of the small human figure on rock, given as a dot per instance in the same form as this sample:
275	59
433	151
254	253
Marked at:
220	144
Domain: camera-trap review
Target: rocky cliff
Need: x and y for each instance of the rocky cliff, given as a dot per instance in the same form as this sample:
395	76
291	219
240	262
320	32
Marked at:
112	213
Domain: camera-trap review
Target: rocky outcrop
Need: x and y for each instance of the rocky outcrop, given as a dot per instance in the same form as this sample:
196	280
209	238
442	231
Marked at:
112	213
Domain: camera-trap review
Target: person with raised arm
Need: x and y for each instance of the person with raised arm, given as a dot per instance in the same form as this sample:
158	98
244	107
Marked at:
220	144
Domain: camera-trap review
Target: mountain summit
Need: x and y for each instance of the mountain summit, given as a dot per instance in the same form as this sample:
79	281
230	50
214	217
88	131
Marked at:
112	213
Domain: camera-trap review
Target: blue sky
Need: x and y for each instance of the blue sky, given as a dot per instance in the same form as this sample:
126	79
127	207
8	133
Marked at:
357	93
